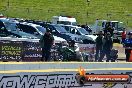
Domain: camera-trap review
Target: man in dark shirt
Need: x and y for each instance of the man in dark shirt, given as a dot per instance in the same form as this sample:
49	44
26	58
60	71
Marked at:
128	46
106	48
99	44
46	42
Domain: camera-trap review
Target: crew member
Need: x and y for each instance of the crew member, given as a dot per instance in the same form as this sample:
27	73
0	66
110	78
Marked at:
107	46
46	42
99	44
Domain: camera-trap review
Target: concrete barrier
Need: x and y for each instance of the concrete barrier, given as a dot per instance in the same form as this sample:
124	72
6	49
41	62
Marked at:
58	74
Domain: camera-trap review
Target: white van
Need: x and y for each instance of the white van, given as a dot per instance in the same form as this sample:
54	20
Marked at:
66	20
100	26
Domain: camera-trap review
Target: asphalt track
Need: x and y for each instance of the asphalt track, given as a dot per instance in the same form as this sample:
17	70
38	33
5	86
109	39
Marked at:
121	52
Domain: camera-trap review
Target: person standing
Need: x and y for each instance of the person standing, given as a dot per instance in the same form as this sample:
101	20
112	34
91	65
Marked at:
46	41
99	43
109	28
107	46
123	35
128	46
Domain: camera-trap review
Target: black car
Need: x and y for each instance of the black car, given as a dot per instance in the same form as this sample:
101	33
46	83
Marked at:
59	31
32	29
9	28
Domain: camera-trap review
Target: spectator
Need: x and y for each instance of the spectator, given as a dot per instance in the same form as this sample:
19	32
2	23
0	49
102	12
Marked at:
111	30
99	44
128	46
46	42
107	46
108	28
123	36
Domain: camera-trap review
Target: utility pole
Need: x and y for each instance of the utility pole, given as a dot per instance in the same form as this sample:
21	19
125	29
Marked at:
87	13
8	3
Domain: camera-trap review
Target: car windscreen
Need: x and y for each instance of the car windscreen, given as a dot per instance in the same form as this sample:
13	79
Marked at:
83	31
74	23
41	29
60	29
11	26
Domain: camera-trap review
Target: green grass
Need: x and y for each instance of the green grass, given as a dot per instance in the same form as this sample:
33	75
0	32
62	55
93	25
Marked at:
120	10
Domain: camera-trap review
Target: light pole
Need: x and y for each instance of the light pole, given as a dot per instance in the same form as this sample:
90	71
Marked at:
87	13
8	3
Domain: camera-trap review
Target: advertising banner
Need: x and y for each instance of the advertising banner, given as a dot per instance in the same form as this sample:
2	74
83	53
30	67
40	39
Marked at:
31	51
87	48
11	50
57	75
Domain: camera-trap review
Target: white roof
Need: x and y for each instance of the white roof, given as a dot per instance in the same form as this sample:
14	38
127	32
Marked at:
61	18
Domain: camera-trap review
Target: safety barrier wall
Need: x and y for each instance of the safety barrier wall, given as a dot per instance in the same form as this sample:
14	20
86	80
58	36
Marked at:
58	74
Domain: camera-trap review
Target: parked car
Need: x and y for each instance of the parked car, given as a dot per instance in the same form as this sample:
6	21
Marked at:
87	28
59	31
85	36
10	28
37	31
33	29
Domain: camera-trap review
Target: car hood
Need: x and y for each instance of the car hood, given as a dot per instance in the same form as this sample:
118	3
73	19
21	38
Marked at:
58	39
92	36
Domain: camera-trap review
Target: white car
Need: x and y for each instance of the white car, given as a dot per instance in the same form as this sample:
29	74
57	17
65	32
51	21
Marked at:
85	36
59	40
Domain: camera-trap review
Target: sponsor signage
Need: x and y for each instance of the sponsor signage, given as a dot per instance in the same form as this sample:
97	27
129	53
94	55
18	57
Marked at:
38	81
11	50
22	51
86	48
32	51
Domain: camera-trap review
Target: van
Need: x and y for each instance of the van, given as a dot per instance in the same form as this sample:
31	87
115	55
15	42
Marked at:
101	24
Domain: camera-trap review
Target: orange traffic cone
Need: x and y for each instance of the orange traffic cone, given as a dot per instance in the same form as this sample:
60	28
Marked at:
130	58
